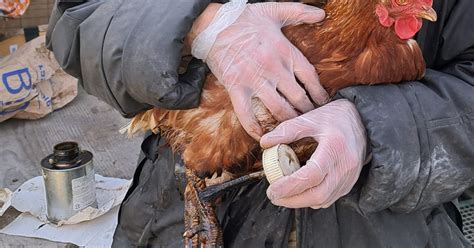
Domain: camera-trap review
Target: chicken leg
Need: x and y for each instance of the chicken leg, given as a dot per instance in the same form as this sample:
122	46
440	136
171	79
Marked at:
202	229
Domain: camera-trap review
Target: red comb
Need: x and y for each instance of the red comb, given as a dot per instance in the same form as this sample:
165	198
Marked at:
427	2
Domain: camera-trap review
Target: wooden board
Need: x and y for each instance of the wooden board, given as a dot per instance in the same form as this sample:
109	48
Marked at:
86	120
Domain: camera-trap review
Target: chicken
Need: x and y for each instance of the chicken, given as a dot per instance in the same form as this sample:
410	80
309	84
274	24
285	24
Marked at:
352	46
360	42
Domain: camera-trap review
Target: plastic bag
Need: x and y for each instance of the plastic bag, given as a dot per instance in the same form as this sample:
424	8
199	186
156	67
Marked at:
13	8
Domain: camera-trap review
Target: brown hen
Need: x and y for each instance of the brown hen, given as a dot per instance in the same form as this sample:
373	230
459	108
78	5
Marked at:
350	47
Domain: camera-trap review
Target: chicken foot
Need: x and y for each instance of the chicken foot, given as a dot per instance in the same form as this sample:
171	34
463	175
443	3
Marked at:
202	229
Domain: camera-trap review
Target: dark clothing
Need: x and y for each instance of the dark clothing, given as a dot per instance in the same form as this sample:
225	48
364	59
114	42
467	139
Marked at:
421	134
127	53
152	215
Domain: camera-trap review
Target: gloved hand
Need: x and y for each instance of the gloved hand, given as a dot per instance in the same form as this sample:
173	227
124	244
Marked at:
246	50
333	169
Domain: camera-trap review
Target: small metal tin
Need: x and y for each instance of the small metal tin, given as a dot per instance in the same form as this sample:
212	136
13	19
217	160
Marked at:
69	181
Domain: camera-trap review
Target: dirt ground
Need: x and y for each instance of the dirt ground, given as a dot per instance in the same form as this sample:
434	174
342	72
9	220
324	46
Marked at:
95	125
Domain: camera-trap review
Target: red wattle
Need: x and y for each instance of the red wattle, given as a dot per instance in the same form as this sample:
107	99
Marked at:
407	27
382	13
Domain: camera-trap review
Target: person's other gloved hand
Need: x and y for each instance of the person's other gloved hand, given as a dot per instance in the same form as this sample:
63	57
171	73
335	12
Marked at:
253	59
334	167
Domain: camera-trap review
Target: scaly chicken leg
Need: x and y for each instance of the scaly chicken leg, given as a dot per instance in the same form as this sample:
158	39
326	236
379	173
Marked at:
202	229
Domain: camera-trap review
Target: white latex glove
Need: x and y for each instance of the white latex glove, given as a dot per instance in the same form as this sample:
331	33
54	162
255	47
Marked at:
334	167
253	59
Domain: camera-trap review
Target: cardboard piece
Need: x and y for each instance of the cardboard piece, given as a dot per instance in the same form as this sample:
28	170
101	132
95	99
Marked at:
7	46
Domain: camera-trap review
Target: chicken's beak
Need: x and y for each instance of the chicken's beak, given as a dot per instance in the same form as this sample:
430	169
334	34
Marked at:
428	13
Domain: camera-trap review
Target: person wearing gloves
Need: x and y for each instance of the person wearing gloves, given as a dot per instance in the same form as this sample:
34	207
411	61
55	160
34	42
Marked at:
390	159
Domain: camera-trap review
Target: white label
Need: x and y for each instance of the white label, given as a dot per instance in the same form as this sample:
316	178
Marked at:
83	191
13	48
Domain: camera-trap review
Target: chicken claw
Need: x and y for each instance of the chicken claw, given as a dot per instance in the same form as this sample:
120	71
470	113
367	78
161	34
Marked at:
202	229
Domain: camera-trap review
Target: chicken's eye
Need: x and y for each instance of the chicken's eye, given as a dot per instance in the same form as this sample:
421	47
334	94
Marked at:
401	2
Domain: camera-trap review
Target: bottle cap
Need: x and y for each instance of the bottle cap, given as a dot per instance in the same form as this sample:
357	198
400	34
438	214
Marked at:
279	161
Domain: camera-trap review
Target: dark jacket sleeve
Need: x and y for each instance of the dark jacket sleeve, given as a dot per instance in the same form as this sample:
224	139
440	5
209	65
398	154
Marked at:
127	53
422	133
